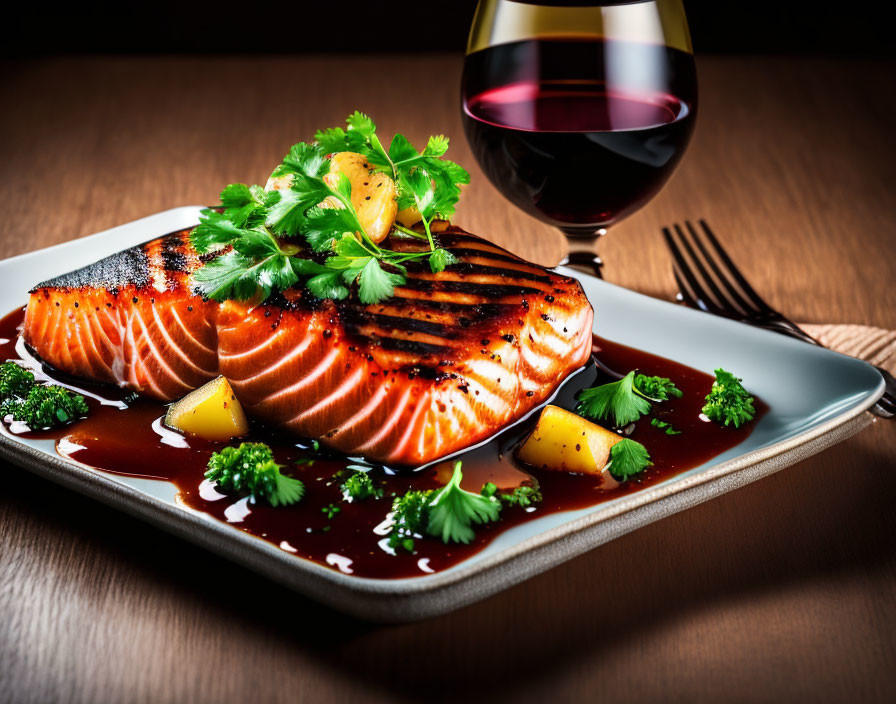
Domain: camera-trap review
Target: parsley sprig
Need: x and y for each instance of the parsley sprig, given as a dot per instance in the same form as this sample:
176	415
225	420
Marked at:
618	401
625	401
310	232
656	388
424	179
448	513
523	496
665	426
628	458
453	511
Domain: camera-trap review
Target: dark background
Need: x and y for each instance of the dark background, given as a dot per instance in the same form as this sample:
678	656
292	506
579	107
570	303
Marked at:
167	26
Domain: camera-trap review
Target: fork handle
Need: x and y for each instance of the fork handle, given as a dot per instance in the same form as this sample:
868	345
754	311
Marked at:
786	327
884	408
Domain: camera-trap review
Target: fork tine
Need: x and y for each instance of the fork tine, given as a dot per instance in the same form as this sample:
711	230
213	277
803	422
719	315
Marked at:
735	272
684	293
720	298
693	290
734	299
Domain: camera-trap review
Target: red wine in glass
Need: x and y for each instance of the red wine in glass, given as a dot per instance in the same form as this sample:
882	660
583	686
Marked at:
579	132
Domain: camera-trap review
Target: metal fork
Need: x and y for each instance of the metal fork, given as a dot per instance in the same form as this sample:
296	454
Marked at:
709	281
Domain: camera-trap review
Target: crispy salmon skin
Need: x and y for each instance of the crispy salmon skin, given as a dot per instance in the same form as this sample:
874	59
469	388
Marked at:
449	360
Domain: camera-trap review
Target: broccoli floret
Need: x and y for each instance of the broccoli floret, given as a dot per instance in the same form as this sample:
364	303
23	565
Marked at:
15	380
251	469
359	486
728	401
45	407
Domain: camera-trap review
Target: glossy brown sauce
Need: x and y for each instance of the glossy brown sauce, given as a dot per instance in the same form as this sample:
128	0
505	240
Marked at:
121	438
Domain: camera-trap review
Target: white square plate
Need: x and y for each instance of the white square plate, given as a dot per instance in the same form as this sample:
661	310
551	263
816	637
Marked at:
816	398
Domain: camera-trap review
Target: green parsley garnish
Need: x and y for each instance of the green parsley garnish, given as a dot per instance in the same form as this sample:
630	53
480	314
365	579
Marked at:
39	406
261	228
728	401
453	510
665	426
619	401
656	388
45	407
628	458
625	401
15	380
424	179
409	519
251	469
330	510
522	496
447	513
360	487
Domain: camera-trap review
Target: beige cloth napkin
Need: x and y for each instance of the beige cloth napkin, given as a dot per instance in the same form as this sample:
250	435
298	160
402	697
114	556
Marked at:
874	345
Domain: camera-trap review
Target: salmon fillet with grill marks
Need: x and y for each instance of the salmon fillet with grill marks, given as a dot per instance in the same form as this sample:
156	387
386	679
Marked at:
449	360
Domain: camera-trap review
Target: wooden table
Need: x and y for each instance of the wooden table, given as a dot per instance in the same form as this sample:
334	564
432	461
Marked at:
784	590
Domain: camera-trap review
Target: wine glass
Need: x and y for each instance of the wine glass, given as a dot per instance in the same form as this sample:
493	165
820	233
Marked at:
578	112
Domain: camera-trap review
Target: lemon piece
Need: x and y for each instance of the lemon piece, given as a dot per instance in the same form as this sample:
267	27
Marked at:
211	412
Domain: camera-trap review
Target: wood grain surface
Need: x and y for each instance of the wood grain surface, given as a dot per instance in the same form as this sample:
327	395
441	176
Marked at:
781	591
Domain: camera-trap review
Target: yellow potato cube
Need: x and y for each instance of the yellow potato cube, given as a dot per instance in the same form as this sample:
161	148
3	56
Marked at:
565	442
210	412
374	195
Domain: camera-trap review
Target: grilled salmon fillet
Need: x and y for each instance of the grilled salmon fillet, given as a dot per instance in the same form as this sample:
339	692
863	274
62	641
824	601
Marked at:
446	362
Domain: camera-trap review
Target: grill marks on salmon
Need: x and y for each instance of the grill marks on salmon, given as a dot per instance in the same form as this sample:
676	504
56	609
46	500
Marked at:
446	362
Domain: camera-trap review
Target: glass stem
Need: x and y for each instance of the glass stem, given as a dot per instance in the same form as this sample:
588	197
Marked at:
581	253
